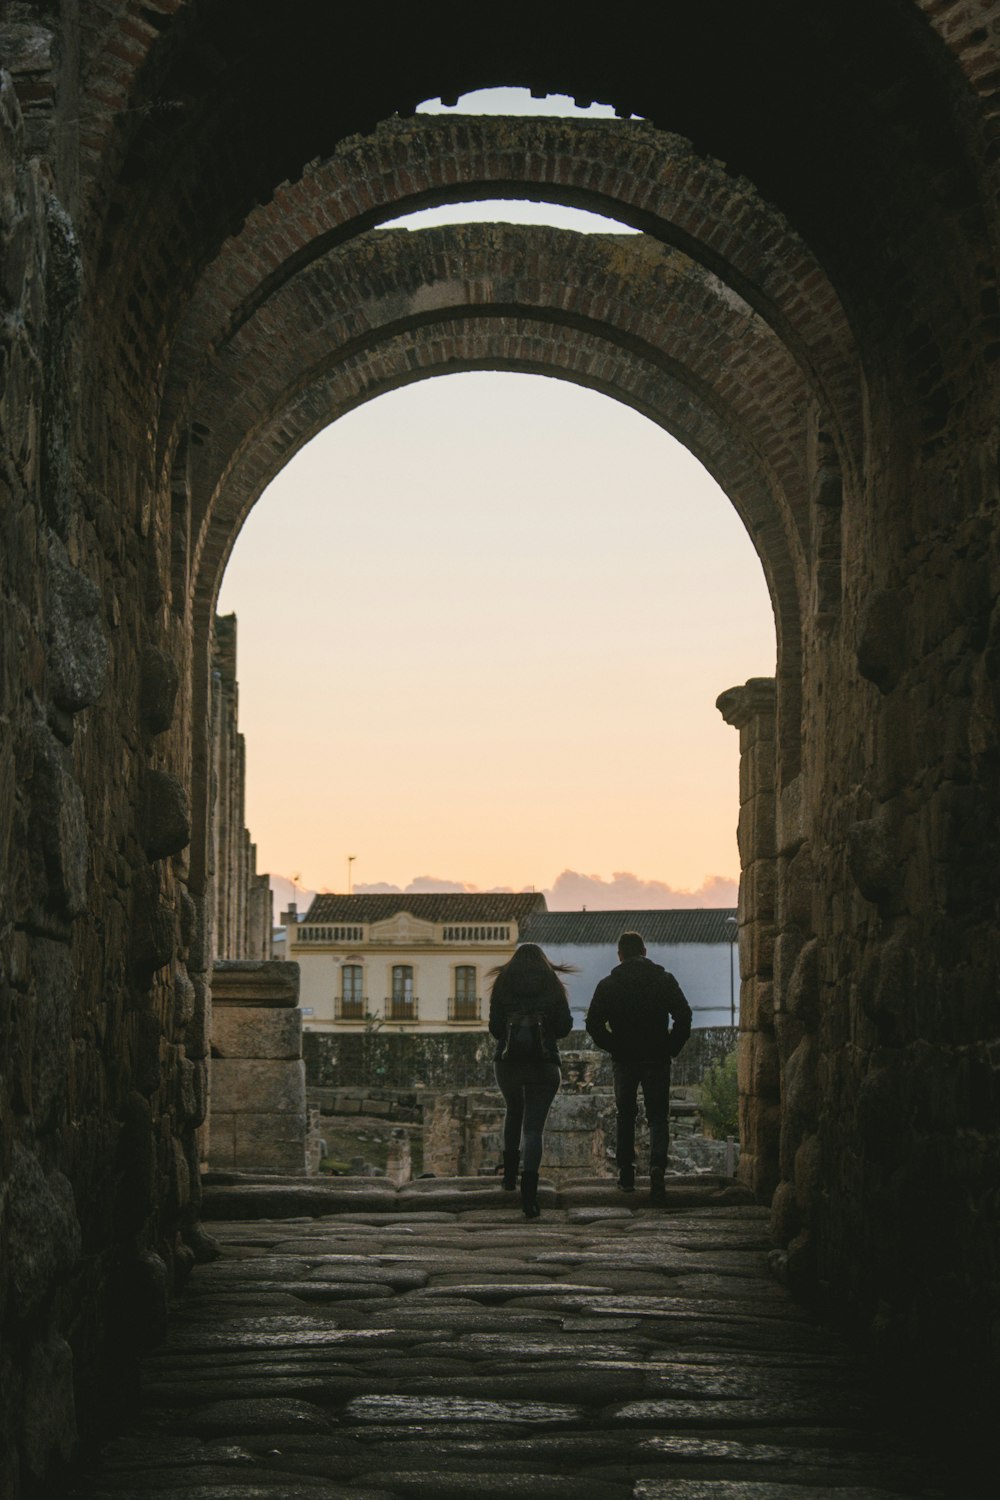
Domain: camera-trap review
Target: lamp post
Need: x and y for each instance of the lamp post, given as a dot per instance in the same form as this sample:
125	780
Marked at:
733	926
350	860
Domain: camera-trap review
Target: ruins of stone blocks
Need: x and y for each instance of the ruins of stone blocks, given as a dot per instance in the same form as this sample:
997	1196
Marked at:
258	1088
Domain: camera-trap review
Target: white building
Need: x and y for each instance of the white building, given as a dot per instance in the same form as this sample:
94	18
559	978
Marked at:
409	963
698	947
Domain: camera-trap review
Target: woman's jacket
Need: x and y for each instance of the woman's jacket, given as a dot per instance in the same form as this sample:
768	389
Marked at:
536	989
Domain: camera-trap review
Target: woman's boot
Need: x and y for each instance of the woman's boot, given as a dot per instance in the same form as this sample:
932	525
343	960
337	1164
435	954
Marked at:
511	1161
529	1195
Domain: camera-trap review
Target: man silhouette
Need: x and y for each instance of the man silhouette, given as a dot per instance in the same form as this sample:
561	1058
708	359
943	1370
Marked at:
630	1016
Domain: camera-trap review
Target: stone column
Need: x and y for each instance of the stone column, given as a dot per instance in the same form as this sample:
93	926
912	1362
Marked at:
751	710
257	1090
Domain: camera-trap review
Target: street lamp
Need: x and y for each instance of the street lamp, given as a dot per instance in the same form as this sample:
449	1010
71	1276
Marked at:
733	926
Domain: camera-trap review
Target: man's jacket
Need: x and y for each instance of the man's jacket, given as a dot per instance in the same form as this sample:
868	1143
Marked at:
632	1010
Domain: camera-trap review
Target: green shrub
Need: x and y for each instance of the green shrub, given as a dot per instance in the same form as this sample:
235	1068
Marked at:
719	1104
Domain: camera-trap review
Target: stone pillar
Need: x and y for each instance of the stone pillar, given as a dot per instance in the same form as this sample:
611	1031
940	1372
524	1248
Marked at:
257	1090
751	710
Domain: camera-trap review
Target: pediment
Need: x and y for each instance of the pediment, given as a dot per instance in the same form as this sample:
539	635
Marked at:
402	927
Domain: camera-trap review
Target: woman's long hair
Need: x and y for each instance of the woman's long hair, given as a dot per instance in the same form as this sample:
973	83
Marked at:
527	958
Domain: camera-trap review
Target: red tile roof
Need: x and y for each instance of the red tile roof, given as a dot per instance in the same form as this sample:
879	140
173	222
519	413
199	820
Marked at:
486	906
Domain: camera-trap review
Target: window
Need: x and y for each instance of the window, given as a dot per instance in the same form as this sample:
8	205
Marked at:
465	982
352	1000
402	981
402	1005
464	1003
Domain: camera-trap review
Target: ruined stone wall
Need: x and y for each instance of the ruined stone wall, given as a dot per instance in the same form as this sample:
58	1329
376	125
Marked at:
241	898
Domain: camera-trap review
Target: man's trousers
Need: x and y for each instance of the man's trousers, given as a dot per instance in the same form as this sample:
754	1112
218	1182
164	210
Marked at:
654	1080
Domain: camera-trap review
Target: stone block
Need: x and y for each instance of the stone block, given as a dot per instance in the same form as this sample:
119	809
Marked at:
50	1409
59	822
758	1068
78	650
800	996
758	769
757	951
758	884
165	818
159	681
790	816
873	856
260	982
756	1005
43	1232
798	885
256	1033
756	829
252	1085
269	1143
196	1034
883	638
222	1141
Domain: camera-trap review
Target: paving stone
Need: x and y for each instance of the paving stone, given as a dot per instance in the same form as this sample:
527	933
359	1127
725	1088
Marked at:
471	1355
597	1215
248	1416
502	1291
740	1489
431	1409
494	1486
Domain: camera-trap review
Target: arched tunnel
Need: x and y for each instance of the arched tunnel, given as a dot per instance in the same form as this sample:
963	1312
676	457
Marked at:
196	281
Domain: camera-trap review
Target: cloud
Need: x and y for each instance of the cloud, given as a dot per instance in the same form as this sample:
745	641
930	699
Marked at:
570	890
628	892
425	885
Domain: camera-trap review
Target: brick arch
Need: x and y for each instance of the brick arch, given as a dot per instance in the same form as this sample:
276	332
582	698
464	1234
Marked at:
653	303
668	333
872	187
396	306
646	178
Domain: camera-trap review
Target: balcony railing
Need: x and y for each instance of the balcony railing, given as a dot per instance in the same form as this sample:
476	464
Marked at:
465	1008
401	1008
353	1008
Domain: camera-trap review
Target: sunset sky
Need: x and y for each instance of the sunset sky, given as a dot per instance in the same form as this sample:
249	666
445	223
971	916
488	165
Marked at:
483	622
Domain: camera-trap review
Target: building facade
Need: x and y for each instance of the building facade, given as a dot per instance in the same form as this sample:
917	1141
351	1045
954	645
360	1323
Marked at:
410	963
699	948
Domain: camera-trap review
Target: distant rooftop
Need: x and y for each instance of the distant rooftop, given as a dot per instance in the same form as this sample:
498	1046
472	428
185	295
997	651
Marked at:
709	924
485	906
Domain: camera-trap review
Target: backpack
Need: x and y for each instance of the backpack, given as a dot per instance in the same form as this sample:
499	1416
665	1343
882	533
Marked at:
525	1040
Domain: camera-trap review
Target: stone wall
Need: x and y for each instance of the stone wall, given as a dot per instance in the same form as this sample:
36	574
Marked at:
351	1062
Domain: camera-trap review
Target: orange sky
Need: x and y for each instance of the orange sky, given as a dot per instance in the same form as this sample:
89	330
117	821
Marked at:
483	622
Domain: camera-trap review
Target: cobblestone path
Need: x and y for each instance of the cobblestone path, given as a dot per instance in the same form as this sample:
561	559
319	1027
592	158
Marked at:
601	1353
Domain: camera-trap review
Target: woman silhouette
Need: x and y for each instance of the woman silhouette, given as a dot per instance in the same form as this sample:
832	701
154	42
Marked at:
528	1011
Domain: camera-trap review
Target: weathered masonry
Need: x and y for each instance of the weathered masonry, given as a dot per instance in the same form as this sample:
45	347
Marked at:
194	281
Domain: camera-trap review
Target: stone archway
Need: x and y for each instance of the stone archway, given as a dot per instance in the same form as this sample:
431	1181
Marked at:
167	174
537	311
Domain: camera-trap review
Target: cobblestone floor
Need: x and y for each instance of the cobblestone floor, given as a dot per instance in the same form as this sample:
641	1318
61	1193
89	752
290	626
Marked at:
604	1352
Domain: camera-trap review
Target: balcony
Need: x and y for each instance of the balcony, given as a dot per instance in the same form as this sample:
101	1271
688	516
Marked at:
467	1008
353	1008
402	1008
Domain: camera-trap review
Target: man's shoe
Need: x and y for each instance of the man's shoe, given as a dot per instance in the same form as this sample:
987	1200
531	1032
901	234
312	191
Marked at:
626	1179
657	1190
